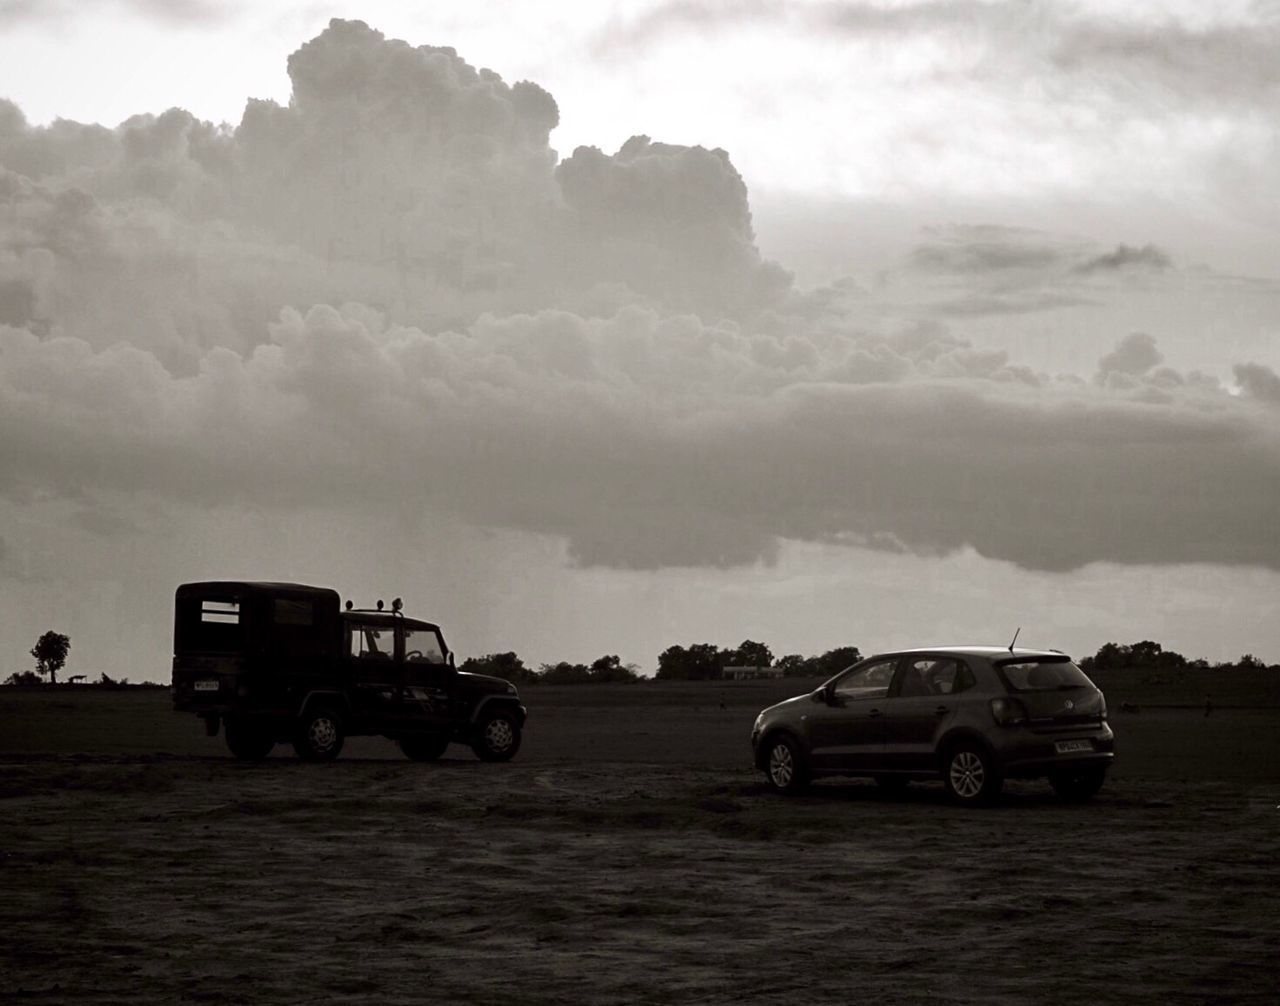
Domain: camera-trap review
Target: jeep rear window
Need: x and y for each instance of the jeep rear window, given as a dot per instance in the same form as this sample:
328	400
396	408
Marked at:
1042	675
220	612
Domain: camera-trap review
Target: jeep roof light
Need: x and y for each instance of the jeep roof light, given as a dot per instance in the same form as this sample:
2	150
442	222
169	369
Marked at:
397	607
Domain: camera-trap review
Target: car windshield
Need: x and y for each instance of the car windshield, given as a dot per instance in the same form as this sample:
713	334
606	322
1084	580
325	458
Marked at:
1043	675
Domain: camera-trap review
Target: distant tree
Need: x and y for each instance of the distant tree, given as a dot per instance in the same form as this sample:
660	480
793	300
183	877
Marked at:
507	666
50	652
792	665
611	669
21	678
699	662
1250	663
834	661
750	654
565	673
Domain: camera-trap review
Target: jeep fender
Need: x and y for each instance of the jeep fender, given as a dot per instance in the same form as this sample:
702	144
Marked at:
335	699
507	700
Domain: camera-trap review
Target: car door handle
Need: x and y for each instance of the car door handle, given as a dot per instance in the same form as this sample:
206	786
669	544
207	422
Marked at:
873	713
942	710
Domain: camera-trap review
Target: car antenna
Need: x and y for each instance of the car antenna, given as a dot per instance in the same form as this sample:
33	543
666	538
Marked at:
1015	638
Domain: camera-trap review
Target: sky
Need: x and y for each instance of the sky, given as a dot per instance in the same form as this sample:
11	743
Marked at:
597	328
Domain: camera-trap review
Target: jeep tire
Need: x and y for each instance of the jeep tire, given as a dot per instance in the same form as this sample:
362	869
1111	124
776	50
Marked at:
318	734
497	736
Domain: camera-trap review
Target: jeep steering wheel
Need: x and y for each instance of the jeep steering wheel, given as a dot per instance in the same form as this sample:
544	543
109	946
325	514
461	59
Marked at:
413	653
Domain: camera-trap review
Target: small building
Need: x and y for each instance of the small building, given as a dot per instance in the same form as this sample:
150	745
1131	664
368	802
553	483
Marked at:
748	673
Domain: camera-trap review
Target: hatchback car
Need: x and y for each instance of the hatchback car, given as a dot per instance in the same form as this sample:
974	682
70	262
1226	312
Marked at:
972	716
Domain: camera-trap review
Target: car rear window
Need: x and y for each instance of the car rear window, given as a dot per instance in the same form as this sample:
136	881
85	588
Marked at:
1042	675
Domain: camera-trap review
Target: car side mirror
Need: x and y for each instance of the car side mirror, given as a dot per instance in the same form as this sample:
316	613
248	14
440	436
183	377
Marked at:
822	695
449	658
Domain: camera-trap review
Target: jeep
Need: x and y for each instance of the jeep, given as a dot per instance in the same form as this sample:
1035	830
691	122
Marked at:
281	663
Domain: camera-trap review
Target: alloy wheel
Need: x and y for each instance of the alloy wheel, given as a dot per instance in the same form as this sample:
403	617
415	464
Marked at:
968	774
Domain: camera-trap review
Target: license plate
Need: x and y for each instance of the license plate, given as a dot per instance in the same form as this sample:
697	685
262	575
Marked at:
1072	747
206	686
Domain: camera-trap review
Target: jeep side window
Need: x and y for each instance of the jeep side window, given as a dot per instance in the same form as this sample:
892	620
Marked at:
422	646
373	642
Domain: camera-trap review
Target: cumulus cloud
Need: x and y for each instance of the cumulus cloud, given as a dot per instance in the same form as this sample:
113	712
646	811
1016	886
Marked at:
1133	356
390	289
1259	382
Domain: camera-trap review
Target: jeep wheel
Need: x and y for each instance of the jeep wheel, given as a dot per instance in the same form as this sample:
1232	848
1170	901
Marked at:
1078	786
423	748
784	765
248	741
319	735
970	775
497	737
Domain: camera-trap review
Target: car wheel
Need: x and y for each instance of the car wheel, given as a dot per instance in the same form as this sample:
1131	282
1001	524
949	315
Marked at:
423	748
497	737
784	765
1079	785
248	741
319	735
971	775
894	785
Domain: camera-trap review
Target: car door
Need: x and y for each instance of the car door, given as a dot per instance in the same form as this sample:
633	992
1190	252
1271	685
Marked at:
921	702
374	669
429	679
844	728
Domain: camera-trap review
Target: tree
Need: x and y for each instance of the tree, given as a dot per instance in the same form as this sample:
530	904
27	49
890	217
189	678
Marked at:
565	673
700	662
611	669
793	666
50	652
20	678
750	654
507	666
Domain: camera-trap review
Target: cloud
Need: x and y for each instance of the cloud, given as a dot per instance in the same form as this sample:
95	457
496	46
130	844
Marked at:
651	441
197	12
1133	356
1125	257
388	293
1259	382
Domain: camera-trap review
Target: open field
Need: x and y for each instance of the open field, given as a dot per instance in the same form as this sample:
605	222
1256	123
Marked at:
629	854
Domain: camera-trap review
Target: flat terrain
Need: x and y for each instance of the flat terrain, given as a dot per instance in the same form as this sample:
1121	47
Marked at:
628	854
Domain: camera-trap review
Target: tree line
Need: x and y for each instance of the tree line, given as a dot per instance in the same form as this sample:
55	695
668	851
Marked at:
696	662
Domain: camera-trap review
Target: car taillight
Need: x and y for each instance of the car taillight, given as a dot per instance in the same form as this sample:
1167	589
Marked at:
1008	712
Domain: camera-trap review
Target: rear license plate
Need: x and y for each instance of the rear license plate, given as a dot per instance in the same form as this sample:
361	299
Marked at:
1072	747
206	686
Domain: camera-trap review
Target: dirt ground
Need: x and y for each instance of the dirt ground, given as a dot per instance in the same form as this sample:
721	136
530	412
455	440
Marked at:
629	854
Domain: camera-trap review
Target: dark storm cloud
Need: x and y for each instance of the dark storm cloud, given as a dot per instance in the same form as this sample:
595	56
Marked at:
593	349
1125	257
984	270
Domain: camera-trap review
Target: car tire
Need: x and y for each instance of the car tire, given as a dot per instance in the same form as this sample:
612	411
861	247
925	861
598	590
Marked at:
971	775
319	735
248	741
497	736
1078	786
784	765
423	748
892	785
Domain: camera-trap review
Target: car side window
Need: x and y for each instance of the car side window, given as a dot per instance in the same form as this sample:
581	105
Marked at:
927	676
868	682
422	646
373	642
